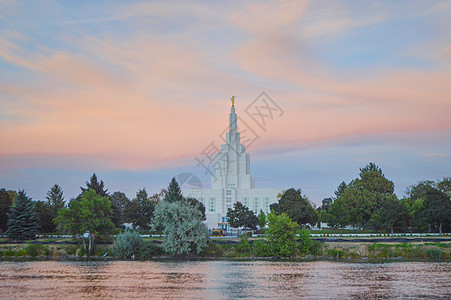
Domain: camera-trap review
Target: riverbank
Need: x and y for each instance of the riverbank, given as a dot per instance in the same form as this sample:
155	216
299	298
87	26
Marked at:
323	249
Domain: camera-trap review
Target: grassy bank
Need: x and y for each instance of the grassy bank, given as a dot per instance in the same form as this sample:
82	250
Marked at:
247	249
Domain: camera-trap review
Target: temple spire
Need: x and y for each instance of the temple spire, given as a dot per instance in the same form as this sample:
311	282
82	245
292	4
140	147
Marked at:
233	120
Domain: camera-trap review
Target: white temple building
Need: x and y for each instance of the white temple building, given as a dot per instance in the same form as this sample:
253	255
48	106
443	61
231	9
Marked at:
233	181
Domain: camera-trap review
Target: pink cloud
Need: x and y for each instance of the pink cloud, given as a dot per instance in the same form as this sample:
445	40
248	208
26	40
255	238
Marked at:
149	101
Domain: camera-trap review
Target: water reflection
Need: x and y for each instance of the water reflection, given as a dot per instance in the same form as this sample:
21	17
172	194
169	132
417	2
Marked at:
223	280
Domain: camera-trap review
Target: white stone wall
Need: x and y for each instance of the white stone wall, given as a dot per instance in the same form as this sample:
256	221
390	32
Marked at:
233	181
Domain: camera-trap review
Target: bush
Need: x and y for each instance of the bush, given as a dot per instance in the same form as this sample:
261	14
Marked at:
307	245
101	251
434	253
128	244
82	251
281	234
149	250
20	252
71	249
243	247
213	250
261	248
33	250
336	253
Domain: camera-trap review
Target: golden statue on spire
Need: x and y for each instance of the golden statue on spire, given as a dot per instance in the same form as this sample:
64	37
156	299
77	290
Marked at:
233	100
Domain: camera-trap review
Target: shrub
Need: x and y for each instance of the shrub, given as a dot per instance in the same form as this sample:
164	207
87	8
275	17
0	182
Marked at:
33	250
307	245
128	244
261	248
213	250
149	250
101	252
243	247
434	253
20	252
82	251
336	253
71	249
281	234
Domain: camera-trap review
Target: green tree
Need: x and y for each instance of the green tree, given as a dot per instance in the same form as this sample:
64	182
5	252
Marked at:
44	214
196	203
394	214
5	205
119	202
281	235
55	199
326	203
364	196
340	189
297	207
183	227
173	193
12	195
98	187
261	219
337	216
241	216
432	206
140	210
436	206
22	221
445	186
92	215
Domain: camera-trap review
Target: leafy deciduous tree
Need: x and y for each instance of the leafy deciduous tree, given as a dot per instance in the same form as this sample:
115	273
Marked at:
241	216
183	227
394	214
281	234
44	214
297	207
363	197
261	219
140	210
337	216
196	203
92	214
119	202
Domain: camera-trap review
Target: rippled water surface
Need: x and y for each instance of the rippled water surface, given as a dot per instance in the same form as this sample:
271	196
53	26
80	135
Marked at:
223	279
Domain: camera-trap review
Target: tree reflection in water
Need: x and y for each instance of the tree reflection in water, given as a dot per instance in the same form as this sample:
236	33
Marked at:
223	279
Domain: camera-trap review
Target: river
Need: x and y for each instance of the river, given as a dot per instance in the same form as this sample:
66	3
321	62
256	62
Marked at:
223	280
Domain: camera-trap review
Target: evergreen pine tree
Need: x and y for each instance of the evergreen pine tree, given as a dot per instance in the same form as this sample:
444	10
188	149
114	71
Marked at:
97	186
22	221
173	193
5	204
55	199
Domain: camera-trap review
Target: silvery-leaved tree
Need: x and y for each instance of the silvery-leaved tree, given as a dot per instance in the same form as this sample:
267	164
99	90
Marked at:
183	227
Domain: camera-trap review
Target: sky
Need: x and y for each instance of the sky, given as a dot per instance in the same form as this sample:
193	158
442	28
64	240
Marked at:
135	91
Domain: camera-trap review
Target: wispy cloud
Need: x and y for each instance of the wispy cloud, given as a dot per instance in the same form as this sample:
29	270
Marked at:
142	85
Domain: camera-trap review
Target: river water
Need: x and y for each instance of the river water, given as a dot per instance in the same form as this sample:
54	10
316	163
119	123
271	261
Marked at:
223	280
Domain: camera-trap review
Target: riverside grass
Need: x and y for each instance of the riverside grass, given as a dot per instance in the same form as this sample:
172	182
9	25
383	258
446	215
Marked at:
246	249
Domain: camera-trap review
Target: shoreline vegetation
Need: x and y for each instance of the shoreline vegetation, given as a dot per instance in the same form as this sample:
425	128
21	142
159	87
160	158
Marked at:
240	248
374	225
